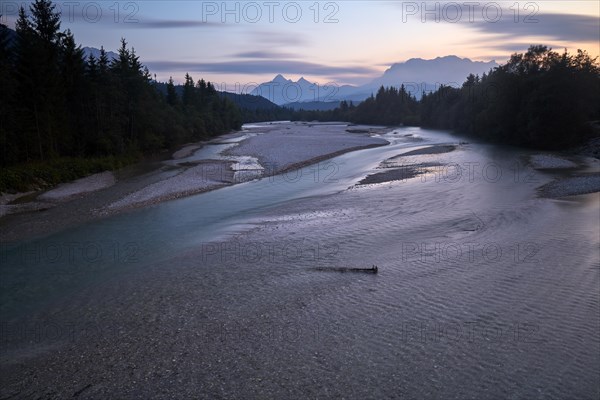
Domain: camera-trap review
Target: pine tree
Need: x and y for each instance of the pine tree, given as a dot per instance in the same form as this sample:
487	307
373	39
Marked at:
92	67
7	110
37	61
46	22
73	136
103	63
121	65
172	97
188	90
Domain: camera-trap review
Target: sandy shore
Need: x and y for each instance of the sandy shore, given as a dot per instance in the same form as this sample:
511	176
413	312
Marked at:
279	147
402	167
575	174
295	145
22	202
192	180
571	186
81	186
547	161
438	149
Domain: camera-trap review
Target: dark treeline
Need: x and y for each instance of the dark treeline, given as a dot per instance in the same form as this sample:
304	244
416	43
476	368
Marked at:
56	104
538	99
258	109
390	106
267	114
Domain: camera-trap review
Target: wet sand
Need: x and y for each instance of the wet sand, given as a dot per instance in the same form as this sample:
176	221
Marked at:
576	174
571	186
438	149
399	174
400	167
296	145
279	147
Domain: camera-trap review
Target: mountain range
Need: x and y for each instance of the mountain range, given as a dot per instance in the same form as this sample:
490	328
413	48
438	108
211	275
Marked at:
416	74
283	91
87	51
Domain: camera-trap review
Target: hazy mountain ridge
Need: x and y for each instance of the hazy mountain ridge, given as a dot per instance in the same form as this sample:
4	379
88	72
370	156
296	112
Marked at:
448	70
416	74
283	91
87	51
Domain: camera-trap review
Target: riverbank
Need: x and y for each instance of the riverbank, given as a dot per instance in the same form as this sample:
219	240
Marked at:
230	294
575	173
278	147
258	150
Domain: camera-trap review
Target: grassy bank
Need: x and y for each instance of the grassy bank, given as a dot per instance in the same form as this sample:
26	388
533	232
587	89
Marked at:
41	175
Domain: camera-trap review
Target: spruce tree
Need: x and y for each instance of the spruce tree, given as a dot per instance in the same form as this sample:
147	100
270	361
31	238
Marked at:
172	98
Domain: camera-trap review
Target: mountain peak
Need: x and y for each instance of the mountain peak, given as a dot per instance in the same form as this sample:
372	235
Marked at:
88	51
416	72
279	78
450	57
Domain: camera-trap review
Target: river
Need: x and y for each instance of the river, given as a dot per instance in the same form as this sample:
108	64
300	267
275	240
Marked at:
484	290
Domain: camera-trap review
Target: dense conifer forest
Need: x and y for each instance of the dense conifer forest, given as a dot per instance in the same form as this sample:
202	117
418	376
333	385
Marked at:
56	104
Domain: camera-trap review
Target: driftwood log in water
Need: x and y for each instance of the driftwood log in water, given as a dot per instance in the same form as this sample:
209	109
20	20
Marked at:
372	270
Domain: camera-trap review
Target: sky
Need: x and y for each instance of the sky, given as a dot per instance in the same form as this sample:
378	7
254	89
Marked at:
238	44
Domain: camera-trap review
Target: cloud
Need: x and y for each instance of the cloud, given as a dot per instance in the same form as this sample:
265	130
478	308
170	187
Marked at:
260	67
508	47
264	54
493	18
517	47
276	38
565	27
149	23
169	24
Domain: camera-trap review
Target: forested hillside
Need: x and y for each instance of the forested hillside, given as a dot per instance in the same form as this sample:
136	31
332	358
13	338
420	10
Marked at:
56	104
541	98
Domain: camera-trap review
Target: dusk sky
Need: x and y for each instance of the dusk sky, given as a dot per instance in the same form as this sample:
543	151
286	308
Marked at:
343	42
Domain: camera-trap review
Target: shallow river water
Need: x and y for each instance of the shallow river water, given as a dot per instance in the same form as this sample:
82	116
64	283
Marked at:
484	289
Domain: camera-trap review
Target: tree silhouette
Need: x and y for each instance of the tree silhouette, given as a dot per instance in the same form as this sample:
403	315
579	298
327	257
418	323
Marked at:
540	98
56	104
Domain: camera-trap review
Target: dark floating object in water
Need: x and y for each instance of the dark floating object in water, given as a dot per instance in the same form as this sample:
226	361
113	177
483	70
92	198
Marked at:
372	270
